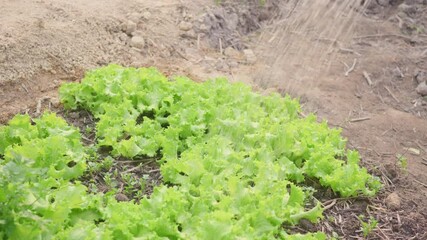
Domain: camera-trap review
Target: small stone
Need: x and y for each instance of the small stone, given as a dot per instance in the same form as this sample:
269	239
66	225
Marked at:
114	28
74	115
393	201
264	15
391	171
120	197
165	53
55	102
232	21
221	66
137	42
421	76
123	37
189	34
202	18
249	56
123	26
422	89
233	64
103	188
146	15
307	225
185	26
135	17
130	27
203	28
232	53
189	17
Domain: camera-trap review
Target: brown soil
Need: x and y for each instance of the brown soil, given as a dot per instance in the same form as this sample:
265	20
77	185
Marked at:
44	43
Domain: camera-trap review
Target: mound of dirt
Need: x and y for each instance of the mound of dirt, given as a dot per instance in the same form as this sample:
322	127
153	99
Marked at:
226	24
59	41
43	43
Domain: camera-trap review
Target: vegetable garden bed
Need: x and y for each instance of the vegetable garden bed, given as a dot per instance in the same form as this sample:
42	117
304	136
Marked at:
229	163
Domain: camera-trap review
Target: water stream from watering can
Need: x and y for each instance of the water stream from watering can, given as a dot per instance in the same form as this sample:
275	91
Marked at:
304	43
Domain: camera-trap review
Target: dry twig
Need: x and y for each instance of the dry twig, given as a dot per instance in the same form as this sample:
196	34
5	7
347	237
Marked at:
181	54
368	78
350	51
421	183
421	146
24	87
391	94
87	139
384	36
333	202
39	106
360	119
132	169
351	68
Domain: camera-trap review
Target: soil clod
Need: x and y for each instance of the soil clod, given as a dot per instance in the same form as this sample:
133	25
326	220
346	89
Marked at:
137	42
185	26
250	56
422	89
393	201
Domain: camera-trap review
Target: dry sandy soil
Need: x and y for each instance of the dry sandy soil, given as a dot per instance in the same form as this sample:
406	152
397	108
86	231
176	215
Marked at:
358	69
